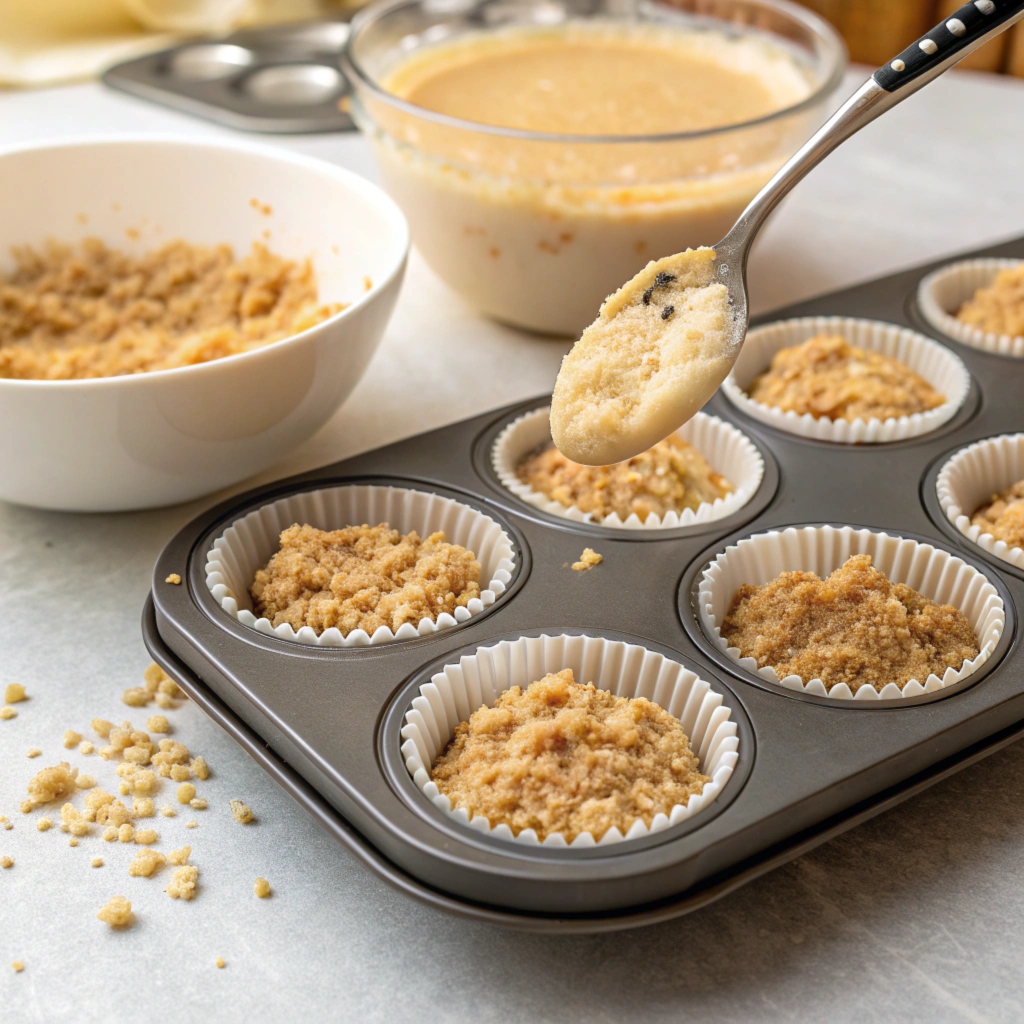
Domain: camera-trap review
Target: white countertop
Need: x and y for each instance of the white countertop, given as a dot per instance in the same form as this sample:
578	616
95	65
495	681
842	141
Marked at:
918	915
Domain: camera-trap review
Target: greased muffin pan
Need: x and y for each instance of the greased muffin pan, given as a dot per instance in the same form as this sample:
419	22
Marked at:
279	79
348	729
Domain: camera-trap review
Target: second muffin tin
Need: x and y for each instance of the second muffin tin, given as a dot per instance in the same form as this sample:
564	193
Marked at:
327	722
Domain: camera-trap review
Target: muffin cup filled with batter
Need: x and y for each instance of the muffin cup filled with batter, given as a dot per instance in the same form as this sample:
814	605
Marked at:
621	669
246	547
727	451
885	634
935	369
981	491
978	303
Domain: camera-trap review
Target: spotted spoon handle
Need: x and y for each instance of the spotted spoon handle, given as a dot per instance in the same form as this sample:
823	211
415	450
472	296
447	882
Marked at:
961	32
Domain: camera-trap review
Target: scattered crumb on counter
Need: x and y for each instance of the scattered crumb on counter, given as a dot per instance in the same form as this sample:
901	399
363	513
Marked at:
588	560
85	747
173	578
198	803
72	841
261	888
136	697
44	824
85	782
125	834
167	811
110	834
220	962
97	862
146	836
6	862
14	692
158	723
146	862
17	966
191	824
199	768
52	783
7	713
117	912
143	807
33	752
242	813
72	739
101	727
182	885
179	856
185	792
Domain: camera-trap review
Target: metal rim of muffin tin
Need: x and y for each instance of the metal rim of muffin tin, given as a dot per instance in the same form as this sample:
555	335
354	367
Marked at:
743	832
283	78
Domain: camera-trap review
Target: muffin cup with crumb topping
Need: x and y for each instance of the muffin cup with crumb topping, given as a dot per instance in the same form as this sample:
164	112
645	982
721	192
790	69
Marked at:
728	451
246	546
940	367
624	669
933	572
941	294
969	479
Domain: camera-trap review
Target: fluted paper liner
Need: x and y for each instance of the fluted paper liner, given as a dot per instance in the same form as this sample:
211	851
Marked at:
626	670
944	291
727	450
932	572
943	369
971	477
247	545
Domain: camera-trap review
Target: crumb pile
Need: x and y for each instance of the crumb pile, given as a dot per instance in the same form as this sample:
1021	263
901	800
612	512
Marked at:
1003	515
670	477
832	379
854	627
363	577
566	757
91	311
999	308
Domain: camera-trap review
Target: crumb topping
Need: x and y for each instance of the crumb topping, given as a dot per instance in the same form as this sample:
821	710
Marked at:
566	757
183	883
670	477
117	912
363	577
91	311
13	693
588	560
999	308
831	379
241	812
1003	515
261	888
854	627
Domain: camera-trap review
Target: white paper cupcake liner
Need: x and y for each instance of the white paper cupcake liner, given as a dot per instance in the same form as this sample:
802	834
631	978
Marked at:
727	450
247	545
944	291
624	669
934	362
970	478
932	572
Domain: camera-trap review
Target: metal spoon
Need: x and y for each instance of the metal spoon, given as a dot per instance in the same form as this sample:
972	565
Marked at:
604	407
971	26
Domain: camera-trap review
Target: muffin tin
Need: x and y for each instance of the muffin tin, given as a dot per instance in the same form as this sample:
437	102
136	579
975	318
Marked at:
328	723
282	78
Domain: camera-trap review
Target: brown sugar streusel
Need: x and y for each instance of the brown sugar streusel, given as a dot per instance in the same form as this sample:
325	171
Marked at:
1003	515
91	311
565	757
854	627
999	308
829	378
670	477
363	577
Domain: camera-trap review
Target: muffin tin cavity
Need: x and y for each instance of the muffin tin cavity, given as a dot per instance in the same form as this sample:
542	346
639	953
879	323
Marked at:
246	546
942	292
209	61
294	84
969	479
933	572
624	669
940	367
728	451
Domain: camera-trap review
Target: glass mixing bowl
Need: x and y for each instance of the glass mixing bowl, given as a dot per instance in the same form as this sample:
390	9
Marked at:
535	229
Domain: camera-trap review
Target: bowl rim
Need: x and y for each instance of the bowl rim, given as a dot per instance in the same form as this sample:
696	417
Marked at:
362	187
835	48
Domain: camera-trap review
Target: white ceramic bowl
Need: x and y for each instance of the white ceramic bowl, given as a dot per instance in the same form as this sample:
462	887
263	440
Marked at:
144	440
